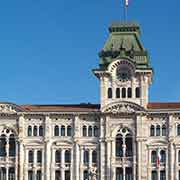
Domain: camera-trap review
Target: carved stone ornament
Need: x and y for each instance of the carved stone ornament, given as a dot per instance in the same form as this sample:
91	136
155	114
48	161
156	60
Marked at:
7	108
120	109
124	107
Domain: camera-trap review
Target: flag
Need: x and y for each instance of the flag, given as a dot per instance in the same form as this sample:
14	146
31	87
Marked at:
158	160
127	3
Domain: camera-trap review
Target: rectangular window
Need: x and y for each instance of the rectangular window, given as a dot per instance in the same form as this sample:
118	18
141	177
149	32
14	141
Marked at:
30	175
57	175
154	175
163	175
39	175
67	175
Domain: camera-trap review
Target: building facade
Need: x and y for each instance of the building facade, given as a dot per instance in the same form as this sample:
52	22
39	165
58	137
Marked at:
125	137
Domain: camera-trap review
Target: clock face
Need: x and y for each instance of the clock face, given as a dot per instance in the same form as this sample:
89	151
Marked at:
123	73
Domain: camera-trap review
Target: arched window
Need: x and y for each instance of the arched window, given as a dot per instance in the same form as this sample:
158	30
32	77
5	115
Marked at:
63	130
158	130
129	145
153	157
67	156
109	93
178	130
117	93
69	131
138	93
31	156
96	133
84	131
41	131
119	144
94	156
3	145
58	156
152	130
90	131
35	131
39	156
163	156
86	157
164	130
29	131
129	93
123	92
12	146
56	130
38	175
86	175
154	175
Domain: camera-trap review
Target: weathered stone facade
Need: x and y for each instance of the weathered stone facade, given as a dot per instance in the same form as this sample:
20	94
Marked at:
124	138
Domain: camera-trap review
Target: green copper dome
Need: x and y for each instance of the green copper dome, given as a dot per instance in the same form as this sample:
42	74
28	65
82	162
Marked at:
124	42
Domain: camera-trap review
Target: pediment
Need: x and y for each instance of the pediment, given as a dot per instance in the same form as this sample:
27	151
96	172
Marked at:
9	108
122	107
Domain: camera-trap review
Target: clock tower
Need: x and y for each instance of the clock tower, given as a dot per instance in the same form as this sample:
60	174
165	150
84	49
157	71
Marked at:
124	70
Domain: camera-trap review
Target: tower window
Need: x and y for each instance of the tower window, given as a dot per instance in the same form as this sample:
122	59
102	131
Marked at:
63	130
117	93
39	156
158	129
94	156
153	157
86	157
129	93
164	130
123	92
69	131
58	156
35	131
163	156
56	130
41	131
30	156
109	93
67	156
96	131
152	130
29	131
178	130
84	131
138	92
90	131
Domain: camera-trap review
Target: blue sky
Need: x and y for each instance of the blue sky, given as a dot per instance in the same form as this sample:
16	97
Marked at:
48	48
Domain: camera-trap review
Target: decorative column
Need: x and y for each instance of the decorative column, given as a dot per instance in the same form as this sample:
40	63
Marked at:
90	158
149	164
102	149
47	154
108	145
139	159
81	162
7	172
16	164
171	161
134	158
21	160
62	164
72	165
